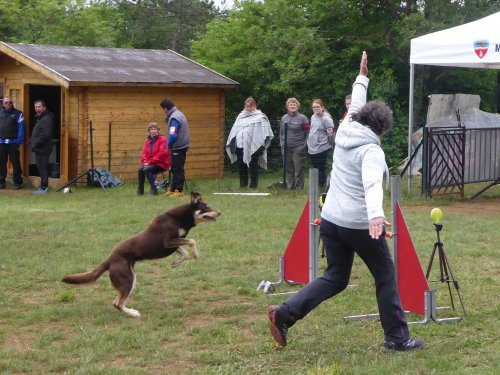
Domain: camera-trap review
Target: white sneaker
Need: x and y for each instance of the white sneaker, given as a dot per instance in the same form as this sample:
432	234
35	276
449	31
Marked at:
41	191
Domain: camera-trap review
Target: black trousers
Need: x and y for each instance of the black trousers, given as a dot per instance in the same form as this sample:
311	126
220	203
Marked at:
253	167
10	151
148	171
42	163
340	245
318	161
177	169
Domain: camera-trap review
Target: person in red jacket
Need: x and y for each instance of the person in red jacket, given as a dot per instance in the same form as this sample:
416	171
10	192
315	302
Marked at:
155	158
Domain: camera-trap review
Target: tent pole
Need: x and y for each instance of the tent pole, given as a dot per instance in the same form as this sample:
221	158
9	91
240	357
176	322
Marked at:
410	124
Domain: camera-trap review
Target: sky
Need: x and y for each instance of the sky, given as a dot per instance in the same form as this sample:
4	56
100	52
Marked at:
229	3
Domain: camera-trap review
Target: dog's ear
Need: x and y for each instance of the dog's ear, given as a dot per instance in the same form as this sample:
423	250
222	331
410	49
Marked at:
195	197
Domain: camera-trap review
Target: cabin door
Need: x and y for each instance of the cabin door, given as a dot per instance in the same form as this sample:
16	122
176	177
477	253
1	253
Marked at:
54	101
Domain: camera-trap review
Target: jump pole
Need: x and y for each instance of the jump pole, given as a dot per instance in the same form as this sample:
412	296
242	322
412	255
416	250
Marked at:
308	252
313	228
424	300
395	197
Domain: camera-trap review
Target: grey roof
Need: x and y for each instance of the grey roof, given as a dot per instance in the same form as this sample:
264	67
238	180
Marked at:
92	65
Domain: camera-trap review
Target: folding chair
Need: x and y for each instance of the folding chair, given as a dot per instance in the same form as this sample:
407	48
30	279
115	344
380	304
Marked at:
164	183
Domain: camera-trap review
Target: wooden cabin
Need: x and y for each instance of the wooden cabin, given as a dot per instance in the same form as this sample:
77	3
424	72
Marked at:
115	92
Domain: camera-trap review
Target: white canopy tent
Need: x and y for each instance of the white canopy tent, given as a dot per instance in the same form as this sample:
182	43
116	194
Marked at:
472	45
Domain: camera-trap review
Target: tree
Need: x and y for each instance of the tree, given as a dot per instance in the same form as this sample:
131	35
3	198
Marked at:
66	22
162	24
269	48
276	49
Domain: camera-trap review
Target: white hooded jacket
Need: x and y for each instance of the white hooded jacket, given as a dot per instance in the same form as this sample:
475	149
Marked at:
356	183
255	131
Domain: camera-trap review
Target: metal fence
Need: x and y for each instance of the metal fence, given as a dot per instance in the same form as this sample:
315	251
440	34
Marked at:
456	156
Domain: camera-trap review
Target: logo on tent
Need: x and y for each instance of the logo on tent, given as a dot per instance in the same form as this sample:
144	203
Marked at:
481	47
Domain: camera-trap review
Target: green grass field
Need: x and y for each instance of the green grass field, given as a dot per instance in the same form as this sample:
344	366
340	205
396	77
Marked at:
206	316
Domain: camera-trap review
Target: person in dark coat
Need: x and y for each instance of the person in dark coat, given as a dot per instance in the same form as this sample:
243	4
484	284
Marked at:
11	137
178	142
41	143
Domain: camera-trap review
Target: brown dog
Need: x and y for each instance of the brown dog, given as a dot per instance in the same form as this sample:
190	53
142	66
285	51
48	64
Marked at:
164	236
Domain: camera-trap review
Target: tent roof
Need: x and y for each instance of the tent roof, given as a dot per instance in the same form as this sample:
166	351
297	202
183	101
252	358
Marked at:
472	45
77	66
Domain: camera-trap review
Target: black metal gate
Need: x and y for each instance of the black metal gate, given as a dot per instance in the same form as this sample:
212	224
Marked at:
443	161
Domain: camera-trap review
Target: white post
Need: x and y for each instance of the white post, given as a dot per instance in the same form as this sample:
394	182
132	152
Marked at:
410	124
395	197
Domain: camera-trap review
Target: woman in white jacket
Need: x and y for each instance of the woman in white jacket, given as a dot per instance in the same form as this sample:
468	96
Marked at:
352	221
248	142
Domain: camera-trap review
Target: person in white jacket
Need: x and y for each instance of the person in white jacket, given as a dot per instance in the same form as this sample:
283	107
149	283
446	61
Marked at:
352	221
248	141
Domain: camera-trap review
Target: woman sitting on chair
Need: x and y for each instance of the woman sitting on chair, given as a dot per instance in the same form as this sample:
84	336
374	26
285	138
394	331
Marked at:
155	158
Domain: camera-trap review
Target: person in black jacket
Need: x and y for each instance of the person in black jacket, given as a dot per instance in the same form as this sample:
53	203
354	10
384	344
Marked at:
11	137
41	143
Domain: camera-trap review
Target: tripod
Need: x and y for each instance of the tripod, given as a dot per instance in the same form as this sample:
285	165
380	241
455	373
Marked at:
446	273
92	174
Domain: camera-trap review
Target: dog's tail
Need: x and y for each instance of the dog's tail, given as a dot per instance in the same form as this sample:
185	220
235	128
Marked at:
87	277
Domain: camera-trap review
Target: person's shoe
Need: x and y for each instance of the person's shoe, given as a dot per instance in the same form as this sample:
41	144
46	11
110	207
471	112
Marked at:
17	187
410	344
168	193
41	191
138	192
176	194
153	192
278	328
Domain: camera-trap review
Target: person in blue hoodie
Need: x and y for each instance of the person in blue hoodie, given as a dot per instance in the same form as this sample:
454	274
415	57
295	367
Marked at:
352	221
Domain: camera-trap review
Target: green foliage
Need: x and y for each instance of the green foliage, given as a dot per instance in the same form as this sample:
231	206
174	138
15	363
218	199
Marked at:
269	48
162	24
138	24
276	49
70	22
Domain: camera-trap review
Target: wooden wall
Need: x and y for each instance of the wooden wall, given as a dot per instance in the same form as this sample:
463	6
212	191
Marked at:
130	110
14	77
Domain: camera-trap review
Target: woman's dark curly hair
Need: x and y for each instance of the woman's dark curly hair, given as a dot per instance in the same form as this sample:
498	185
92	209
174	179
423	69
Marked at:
375	115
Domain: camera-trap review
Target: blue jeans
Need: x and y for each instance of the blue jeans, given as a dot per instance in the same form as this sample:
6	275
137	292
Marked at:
149	171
